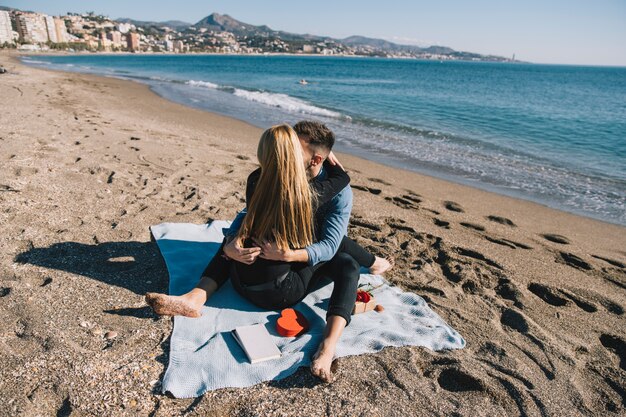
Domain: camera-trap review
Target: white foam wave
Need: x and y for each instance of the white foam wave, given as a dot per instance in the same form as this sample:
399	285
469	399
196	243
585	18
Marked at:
204	84
283	101
34	61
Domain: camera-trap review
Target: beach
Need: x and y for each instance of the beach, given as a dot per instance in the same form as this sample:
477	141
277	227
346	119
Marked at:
89	163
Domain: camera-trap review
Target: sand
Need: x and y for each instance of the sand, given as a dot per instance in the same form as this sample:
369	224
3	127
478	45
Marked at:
88	163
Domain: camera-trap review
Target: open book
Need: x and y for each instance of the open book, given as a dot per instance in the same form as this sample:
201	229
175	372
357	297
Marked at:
256	342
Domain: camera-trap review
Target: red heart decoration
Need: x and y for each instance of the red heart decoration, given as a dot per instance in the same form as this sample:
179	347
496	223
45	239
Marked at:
291	323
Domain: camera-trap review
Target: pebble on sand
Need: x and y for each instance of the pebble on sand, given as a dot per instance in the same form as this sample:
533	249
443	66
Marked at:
110	335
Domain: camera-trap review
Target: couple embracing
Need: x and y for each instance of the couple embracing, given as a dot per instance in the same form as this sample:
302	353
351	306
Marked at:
291	234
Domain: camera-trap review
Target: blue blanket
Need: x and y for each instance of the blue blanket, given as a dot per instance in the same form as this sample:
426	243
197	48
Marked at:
204	355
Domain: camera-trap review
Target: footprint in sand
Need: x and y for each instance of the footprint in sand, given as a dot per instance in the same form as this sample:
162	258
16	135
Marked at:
432	290
501	220
378	180
473	226
457	380
477	255
452	206
514	320
547	294
509	243
406	201
358	222
610	261
8	188
560	297
617	346
556	238
508	290
441	223
584	299
573	261
396	225
374	191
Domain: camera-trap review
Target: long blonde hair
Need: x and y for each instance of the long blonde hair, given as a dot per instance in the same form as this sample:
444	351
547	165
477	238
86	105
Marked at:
281	207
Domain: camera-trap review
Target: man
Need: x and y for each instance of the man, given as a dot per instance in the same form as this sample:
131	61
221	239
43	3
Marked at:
331	222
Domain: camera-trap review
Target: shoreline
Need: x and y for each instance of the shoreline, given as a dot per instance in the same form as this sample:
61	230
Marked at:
90	162
35	53
64	52
393	162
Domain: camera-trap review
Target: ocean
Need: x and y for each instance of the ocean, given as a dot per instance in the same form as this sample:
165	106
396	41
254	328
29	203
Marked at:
552	134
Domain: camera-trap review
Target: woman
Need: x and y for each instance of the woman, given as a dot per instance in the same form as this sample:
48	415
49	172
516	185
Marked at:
280	210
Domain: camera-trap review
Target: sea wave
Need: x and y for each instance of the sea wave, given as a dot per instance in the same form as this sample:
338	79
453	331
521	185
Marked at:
282	101
204	84
34	61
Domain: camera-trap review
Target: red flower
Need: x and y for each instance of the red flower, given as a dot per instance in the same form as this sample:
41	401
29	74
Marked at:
363	296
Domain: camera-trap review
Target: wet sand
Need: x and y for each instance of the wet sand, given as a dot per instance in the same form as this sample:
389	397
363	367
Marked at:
88	163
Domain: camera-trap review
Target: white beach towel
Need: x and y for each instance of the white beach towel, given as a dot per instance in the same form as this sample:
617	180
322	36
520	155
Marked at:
204	355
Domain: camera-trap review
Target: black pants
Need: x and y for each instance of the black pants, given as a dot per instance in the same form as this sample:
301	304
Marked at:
288	283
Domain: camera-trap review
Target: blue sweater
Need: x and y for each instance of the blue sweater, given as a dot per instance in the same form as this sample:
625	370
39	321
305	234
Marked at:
335	215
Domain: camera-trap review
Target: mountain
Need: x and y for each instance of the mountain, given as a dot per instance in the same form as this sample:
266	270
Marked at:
223	22
441	50
219	22
174	24
391	46
364	41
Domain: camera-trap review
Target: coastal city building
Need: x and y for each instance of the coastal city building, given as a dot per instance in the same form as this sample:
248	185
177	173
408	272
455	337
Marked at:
132	41
124	27
50	28
61	30
31	28
6	31
104	43
76	23
179	46
116	39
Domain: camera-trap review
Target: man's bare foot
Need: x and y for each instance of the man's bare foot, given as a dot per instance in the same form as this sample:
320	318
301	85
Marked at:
172	305
380	266
322	364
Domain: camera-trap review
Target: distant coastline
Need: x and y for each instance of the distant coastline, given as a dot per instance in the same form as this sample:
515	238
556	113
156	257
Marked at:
213	34
52	52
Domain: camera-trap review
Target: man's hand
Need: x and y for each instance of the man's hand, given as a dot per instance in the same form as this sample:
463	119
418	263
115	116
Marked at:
334	161
235	251
272	252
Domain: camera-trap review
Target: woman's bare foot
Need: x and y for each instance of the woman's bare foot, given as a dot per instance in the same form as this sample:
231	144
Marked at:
172	305
380	266
322	364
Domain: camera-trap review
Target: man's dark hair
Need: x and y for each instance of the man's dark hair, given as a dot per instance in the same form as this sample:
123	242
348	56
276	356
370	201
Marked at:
318	135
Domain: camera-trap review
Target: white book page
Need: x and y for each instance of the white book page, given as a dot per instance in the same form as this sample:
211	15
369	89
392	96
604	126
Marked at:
256	342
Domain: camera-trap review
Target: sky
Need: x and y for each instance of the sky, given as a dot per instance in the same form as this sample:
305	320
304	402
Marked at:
543	31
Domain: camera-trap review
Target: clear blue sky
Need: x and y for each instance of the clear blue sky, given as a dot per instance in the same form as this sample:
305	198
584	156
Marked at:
551	31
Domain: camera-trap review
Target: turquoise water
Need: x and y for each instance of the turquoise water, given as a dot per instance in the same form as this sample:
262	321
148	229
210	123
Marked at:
547	133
